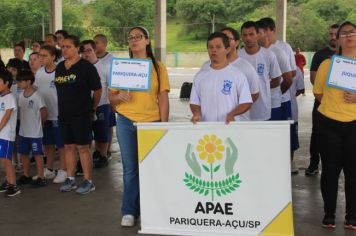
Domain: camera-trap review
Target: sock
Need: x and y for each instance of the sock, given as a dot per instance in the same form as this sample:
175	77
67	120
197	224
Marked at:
71	178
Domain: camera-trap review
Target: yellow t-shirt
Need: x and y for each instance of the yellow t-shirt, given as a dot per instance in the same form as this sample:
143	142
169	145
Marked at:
332	104
143	106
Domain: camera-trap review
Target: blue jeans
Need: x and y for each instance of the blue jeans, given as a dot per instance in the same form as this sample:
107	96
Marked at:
127	136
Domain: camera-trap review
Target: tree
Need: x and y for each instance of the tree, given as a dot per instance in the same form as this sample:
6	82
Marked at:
116	17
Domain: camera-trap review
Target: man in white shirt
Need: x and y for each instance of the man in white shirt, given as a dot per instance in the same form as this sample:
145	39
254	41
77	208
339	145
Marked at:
101	126
101	43
286	104
220	92
271	34
287	74
266	66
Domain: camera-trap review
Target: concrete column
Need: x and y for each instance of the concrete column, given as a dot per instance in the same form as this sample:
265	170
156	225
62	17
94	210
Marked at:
160	30
55	15
281	19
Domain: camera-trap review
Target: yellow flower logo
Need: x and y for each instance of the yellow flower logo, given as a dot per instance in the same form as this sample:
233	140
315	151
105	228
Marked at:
210	148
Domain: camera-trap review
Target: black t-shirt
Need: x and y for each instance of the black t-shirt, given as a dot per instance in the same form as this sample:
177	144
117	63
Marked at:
320	56
74	88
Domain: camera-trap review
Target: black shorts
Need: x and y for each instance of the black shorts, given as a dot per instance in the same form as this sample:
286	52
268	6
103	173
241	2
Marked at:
77	130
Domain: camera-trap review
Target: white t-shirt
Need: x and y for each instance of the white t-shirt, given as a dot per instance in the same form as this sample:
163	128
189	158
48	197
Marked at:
284	65
218	92
44	81
290	55
107	58
16	92
103	71
8	132
30	117
298	84
267	68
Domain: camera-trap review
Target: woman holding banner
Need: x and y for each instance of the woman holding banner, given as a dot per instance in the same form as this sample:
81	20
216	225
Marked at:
138	106
336	124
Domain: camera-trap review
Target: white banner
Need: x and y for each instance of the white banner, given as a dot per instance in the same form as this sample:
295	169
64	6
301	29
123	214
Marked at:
130	74
215	179
342	73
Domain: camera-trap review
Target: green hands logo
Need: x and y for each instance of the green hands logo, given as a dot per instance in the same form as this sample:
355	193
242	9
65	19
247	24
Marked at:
211	150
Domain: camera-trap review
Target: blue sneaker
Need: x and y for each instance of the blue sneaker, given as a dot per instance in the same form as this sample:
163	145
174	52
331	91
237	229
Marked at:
68	185
85	187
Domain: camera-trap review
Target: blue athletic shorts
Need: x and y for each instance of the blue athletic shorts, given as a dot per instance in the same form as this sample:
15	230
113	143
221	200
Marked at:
112	118
294	140
276	113
33	145
101	126
6	148
286	110
52	134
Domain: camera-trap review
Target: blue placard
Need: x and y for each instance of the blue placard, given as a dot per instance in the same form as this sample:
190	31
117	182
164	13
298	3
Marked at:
130	74
342	73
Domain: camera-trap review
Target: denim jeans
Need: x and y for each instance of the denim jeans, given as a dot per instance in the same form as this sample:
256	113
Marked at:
127	136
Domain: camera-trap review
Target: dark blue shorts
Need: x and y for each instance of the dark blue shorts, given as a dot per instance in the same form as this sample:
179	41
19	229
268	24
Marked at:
6	148
276	113
27	145
101	126
17	126
294	140
52	134
286	110
112	117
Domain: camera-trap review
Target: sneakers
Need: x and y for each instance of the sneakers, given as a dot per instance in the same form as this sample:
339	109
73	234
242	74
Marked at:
39	182
49	174
79	170
102	162
96	156
329	221
128	221
61	177
311	171
350	222
12	191
68	185
85	187
23	180
18	168
4	186
294	169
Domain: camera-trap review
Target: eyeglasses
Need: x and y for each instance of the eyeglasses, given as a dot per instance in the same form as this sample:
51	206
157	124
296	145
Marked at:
345	34
135	38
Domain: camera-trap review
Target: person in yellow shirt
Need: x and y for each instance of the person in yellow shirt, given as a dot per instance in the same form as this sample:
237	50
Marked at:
138	106
336	127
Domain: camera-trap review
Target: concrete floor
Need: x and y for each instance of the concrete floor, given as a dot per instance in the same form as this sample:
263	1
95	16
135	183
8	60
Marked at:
45	211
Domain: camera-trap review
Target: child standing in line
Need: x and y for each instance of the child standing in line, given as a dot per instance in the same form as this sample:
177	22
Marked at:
33	114
8	114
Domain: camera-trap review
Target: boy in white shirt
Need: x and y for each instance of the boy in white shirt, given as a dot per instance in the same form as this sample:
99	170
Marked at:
220	92
33	114
8	114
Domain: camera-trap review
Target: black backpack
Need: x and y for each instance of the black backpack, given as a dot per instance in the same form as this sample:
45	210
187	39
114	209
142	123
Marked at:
185	91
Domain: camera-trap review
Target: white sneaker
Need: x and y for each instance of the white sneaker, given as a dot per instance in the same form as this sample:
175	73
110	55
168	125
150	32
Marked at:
61	177
49	174
128	221
294	169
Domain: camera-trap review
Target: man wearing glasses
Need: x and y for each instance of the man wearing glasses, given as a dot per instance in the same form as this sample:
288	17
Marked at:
101	125
318	58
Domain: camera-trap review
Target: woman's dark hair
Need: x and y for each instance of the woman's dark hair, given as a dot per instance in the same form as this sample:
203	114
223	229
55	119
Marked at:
52	51
149	52
74	39
339	51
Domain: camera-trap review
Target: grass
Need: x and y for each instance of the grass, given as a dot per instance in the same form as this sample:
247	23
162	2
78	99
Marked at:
176	42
